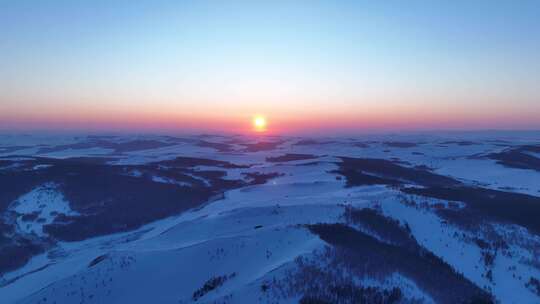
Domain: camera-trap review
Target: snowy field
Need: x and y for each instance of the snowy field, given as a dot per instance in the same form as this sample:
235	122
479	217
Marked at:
266	220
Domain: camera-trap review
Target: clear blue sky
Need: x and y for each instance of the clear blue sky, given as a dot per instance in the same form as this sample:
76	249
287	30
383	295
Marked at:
303	64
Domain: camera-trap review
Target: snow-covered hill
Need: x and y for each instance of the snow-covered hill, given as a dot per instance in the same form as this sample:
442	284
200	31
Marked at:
234	219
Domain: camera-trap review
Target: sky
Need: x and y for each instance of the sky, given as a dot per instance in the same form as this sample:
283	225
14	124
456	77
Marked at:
306	66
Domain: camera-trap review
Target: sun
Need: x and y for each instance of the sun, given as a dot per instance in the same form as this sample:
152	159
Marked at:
259	123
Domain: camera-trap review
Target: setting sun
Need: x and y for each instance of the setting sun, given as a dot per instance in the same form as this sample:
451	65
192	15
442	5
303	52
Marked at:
259	123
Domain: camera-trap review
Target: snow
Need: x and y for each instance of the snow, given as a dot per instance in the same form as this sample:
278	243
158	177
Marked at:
134	173
444	240
165	180
46	202
67	153
248	257
256	232
203	180
492	175
39	167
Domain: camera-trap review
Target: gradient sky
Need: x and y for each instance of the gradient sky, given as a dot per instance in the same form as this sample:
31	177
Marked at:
305	65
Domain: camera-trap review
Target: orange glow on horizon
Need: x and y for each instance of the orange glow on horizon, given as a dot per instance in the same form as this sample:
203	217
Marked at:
282	121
